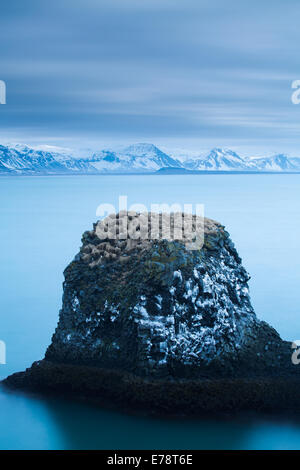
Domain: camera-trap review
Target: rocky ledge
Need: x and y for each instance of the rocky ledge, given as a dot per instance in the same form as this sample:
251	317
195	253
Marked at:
156	315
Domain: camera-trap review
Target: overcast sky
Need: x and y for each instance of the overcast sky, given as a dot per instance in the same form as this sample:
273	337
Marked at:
182	74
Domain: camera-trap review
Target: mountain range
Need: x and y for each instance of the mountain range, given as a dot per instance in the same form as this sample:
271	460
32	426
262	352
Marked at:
138	158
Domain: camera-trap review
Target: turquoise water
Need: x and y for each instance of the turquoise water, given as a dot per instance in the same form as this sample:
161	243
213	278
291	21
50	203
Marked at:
42	219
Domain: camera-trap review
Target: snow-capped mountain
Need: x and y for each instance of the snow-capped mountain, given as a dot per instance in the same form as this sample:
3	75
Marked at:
138	158
278	162
21	159
218	160
133	159
227	160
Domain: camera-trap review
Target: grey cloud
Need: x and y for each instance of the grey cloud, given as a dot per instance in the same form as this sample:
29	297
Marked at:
151	70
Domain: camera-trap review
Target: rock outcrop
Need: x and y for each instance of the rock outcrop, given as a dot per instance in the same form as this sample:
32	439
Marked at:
143	311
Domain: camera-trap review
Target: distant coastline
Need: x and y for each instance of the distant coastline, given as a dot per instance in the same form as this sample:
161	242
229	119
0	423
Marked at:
167	172
142	158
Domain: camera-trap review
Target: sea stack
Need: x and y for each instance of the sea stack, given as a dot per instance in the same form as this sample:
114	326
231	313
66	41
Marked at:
158	317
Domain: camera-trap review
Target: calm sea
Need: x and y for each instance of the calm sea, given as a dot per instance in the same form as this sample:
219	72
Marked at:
42	220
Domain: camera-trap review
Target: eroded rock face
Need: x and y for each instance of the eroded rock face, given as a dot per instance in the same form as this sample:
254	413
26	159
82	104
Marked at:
154	307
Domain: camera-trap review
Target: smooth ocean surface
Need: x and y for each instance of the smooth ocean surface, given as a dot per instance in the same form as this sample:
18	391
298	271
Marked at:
42	220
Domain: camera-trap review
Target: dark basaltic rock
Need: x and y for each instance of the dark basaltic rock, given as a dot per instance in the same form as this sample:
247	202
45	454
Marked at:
151	323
